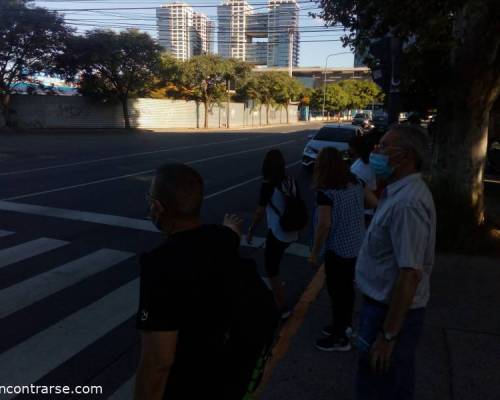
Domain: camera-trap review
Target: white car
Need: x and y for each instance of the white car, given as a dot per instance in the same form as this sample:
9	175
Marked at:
337	136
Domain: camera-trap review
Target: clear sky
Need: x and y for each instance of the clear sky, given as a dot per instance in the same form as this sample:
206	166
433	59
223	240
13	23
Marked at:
317	42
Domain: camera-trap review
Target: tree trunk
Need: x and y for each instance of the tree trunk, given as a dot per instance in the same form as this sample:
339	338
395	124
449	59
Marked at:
469	90
197	114
5	104
267	114
260	115
205	123
459	156
228	116
126	115
287	116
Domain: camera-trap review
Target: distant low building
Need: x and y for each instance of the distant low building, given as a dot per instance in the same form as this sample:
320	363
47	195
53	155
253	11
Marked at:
314	77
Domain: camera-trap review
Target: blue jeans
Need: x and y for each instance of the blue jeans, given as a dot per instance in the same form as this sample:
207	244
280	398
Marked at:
399	382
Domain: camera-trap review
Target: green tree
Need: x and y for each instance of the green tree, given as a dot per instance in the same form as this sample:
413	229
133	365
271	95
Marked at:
285	90
450	61
360	93
336	99
249	90
168	75
204	79
236	75
30	39
113	66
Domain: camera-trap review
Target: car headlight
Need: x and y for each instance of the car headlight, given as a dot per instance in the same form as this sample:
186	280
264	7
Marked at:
309	149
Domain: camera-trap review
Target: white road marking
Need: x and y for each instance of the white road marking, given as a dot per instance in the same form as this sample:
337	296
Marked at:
75	215
27	250
27	195
25	293
5	233
98	160
244	183
104	219
41	353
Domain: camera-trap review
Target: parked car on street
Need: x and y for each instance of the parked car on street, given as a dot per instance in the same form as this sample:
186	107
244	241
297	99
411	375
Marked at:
380	123
361	119
337	136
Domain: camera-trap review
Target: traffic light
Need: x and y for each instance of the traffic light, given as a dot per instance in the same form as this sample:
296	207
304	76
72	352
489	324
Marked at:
380	51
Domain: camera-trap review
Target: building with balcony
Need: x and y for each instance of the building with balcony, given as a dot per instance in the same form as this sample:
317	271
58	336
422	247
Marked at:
183	32
232	21
264	38
283	33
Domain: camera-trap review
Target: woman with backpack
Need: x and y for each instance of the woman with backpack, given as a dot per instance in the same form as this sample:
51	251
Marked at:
277	192
340	227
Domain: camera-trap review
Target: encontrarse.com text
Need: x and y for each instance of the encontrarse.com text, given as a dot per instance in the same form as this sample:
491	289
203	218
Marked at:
40	389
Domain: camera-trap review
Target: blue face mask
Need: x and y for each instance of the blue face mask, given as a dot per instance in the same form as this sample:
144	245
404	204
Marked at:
380	165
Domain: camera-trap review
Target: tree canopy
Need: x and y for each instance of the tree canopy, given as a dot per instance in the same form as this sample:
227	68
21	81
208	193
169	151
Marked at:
206	79
348	94
450	62
113	66
30	40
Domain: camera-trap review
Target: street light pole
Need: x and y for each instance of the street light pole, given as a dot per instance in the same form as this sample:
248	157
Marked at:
324	78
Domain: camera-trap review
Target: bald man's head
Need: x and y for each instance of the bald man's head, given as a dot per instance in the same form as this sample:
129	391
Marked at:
179	188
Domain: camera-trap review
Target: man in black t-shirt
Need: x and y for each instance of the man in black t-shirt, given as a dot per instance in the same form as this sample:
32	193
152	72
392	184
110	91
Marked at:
183	307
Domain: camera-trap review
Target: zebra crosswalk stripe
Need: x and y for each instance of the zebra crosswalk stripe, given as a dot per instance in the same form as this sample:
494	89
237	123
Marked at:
25	293
37	356
27	250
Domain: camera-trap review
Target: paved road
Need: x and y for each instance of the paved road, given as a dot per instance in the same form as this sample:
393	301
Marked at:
72	224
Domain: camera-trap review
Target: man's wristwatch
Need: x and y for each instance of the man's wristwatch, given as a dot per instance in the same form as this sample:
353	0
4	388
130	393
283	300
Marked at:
388	337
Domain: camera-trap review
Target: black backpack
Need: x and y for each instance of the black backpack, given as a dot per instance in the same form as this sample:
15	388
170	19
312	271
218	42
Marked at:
252	330
294	217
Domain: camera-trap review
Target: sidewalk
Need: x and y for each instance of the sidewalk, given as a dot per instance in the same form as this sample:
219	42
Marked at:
458	357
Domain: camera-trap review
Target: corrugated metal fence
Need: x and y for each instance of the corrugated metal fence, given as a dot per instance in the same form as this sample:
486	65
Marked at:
82	112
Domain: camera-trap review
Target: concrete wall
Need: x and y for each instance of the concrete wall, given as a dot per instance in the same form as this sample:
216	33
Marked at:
82	112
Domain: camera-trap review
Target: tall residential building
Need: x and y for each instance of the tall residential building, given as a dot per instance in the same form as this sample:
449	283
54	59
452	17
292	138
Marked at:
183	32
283	33
232	21
175	23
203	34
259	38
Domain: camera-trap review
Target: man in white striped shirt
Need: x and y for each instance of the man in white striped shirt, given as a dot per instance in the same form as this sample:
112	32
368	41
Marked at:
394	267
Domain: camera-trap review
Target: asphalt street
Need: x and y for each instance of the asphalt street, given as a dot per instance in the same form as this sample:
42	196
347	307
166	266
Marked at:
73	223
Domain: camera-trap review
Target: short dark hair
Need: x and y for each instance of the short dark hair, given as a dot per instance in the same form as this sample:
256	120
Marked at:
331	171
180	188
273	167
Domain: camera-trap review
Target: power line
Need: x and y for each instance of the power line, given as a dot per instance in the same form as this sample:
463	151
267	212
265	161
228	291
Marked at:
145	8
250	31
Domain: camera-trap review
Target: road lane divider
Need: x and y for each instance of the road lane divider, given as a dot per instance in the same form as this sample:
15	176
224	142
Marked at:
149	171
120	157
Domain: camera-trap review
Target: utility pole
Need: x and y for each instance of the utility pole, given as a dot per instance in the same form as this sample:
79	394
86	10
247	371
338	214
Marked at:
324	78
228	112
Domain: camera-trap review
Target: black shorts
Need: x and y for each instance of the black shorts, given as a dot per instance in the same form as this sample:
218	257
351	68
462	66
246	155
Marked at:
273	254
